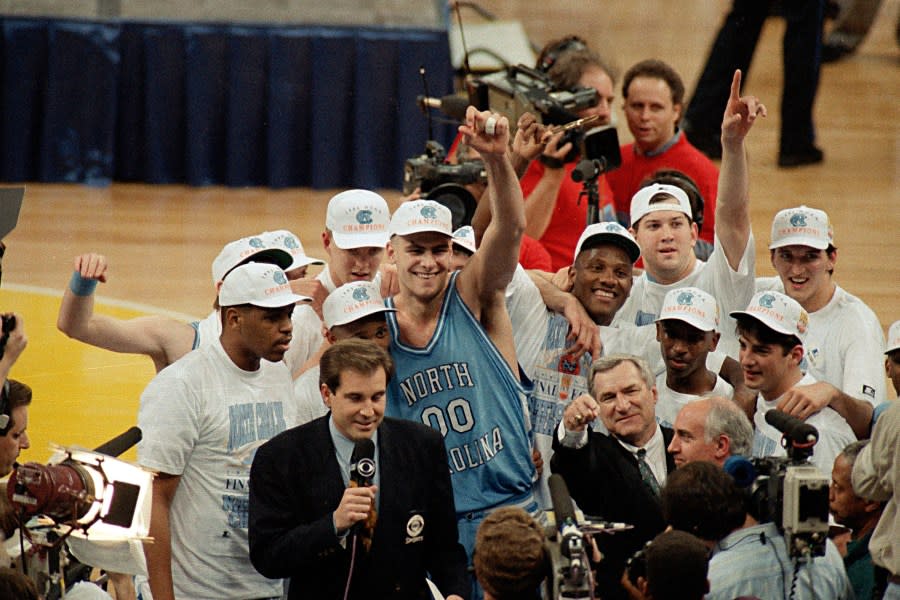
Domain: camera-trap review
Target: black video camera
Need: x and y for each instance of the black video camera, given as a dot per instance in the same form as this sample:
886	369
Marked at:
520	89
443	182
788	490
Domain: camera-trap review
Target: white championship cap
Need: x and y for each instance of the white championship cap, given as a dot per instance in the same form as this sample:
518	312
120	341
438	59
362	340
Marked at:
691	305
285	240
464	237
778	312
258	284
611	232
801	226
239	251
641	206
893	338
351	302
358	219
419	216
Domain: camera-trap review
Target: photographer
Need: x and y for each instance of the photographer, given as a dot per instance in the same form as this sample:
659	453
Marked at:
16	397
674	567
704	500
12	343
14	400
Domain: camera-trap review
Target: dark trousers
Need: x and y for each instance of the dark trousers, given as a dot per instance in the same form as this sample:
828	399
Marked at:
733	49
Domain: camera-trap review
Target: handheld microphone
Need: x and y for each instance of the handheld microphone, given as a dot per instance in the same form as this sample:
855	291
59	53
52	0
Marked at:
796	431
362	474
120	443
362	464
453	106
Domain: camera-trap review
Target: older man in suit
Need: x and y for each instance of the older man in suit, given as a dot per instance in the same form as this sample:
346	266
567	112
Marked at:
308	520
617	476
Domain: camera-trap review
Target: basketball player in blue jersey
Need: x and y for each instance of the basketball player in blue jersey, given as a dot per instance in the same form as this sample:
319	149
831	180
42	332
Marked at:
452	339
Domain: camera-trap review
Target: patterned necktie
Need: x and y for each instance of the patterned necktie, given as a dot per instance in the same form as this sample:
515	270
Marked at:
367	531
646	474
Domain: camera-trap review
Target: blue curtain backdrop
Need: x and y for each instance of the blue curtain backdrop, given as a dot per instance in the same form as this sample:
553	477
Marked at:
236	105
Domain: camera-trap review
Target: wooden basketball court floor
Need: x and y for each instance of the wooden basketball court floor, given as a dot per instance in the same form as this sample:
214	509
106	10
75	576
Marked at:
161	240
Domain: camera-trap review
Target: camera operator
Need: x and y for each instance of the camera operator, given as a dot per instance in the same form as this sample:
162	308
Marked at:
552	210
510	559
14	403
16	397
748	558
14	400
12	343
674	567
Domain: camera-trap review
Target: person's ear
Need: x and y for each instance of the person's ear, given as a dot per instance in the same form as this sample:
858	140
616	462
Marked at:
723	446
391	253
232	316
797	354
714	341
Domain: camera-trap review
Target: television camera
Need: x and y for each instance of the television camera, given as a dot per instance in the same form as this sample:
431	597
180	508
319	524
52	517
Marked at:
444	182
570	574
512	92
788	490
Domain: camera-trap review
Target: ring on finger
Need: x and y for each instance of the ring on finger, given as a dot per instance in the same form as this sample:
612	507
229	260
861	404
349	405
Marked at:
490	126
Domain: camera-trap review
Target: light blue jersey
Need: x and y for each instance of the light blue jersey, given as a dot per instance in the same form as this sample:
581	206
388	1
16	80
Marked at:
460	385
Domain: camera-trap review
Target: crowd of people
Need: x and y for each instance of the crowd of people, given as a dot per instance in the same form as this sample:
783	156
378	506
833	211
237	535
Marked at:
386	429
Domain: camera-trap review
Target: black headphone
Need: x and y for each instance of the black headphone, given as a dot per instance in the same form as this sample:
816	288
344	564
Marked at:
551	54
5	412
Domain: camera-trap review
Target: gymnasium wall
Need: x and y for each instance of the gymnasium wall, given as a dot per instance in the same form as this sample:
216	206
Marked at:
389	13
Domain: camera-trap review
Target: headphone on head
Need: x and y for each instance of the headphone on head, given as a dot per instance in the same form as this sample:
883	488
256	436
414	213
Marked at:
551	54
5	412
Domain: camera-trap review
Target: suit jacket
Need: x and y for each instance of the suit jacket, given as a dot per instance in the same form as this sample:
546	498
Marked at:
295	486
604	479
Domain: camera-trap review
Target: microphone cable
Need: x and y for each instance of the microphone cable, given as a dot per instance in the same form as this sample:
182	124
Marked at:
352	563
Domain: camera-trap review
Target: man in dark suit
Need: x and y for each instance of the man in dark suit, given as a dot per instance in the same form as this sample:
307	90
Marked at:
307	521
616	477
